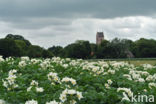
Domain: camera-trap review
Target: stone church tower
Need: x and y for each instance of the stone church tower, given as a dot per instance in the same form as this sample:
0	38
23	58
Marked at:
99	37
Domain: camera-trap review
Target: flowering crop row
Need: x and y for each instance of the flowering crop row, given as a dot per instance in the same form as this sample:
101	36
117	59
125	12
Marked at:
66	81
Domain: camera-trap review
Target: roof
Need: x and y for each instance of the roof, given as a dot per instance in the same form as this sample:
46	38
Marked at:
100	34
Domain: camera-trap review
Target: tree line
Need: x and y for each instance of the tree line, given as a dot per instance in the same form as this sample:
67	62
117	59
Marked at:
16	45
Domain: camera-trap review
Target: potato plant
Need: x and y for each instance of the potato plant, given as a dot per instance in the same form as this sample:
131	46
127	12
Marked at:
67	81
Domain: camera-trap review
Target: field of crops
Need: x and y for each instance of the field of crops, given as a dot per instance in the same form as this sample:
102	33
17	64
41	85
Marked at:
65	81
134	61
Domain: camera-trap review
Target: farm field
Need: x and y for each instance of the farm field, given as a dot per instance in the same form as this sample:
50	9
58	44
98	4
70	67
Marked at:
140	62
135	61
66	81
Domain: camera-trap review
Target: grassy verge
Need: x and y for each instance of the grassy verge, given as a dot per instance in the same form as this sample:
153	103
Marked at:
135	61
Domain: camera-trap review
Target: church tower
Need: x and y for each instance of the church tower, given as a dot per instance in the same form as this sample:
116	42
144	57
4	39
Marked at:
99	37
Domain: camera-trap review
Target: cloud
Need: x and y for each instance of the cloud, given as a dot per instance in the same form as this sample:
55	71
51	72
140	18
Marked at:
60	22
133	27
13	9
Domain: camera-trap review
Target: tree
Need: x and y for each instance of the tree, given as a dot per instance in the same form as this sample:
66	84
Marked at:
119	48
56	50
35	51
22	46
79	49
46	54
18	37
145	48
8	48
93	50
103	50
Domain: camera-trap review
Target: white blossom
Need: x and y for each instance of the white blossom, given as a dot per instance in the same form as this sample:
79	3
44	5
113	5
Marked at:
52	102
2	101
66	79
31	102
39	89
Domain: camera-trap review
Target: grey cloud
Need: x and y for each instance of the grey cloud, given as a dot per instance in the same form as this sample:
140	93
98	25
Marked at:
76	8
60	22
38	23
85	29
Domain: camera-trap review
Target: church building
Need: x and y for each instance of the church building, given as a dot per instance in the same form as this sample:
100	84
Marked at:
99	37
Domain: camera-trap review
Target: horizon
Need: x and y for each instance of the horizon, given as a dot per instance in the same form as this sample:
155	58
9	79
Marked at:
76	40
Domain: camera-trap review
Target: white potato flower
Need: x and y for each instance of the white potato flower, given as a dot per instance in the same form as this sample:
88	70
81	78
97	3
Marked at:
35	61
53	77
29	88
73	102
9	82
2	101
52	102
1	59
39	89
127	90
71	92
34	83
152	85
31	102
25	58
128	76
151	78
22	64
63	97
145	90
67	79
140	80
111	71
79	95
65	65
109	81
107	86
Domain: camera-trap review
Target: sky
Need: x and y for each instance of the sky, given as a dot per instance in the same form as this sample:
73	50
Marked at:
61	22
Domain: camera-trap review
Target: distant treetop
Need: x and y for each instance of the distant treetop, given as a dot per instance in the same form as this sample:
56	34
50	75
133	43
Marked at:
17	37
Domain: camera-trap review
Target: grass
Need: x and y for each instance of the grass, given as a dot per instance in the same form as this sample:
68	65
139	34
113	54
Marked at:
139	62
135	61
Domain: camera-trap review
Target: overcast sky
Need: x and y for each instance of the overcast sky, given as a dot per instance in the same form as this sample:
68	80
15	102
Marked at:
61	22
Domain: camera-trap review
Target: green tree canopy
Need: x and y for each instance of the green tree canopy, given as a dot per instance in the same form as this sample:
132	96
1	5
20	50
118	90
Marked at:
8	48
